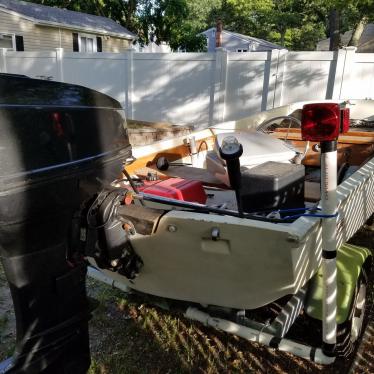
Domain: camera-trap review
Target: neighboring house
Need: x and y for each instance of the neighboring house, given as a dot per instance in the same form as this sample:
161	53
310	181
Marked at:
365	44
152	47
32	27
234	42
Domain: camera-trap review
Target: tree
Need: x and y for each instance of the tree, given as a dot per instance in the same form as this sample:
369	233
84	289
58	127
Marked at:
294	24
364	13
173	21
334	30
358	30
353	15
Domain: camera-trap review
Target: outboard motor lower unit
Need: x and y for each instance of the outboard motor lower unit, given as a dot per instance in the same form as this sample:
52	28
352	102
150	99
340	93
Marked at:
60	144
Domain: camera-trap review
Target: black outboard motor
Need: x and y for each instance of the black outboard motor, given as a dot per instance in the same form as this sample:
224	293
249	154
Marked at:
60	145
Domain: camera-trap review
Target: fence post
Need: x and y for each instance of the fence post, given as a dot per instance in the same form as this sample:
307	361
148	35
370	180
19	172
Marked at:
3	67
60	64
220	85
347	81
279	76
130	83
334	83
272	80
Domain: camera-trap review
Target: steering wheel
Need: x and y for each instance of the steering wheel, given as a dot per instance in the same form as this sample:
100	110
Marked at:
271	124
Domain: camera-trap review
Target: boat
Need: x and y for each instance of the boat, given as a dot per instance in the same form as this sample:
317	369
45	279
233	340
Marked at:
203	252
222	220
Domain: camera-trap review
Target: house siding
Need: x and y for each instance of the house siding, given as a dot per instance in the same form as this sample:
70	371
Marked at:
110	44
42	38
34	38
116	45
67	39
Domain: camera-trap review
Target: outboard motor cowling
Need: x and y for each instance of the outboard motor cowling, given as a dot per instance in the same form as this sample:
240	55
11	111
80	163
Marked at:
60	144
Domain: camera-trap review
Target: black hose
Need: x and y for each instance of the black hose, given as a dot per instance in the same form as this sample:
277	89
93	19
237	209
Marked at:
206	209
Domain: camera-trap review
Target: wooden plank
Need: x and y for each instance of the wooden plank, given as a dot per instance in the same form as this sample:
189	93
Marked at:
171	154
136	124
348	138
143	133
354	154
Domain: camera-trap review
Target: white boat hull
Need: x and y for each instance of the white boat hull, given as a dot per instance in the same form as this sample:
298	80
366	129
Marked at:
253	263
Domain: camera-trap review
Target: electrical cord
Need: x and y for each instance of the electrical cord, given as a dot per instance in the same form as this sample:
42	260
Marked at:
312	215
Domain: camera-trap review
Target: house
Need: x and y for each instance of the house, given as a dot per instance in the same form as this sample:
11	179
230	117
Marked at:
365	44
153	47
27	26
235	42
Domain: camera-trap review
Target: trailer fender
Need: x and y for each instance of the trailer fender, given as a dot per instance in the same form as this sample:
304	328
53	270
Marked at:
350	259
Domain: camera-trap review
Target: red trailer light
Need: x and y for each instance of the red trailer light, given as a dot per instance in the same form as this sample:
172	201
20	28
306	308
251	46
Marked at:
320	122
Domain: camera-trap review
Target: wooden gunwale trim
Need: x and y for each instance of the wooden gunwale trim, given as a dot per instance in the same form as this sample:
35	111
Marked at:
353	147
352	137
172	154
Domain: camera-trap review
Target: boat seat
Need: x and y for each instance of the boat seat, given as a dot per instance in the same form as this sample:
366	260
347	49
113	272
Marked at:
257	149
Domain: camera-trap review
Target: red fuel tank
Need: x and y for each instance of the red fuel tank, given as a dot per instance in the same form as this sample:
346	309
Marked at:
179	189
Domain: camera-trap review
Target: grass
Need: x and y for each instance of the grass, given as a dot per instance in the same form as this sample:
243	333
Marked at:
138	338
3	322
128	334
7	323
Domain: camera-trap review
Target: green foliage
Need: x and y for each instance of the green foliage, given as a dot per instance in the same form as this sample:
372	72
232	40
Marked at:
177	22
295	24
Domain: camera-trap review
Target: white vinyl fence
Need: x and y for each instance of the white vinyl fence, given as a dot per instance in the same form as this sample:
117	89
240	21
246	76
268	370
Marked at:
204	88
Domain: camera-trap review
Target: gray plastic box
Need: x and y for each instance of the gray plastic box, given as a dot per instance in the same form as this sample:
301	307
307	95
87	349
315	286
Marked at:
273	185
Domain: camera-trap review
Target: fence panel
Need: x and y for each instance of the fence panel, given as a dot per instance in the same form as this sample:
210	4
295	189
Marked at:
172	87
359	78
308	76
106	73
36	64
247	84
204	88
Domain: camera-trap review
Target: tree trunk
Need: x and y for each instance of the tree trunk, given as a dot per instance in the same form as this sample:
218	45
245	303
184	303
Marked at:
334	30
357	32
283	37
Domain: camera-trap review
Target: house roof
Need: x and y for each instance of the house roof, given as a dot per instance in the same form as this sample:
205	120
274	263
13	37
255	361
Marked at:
367	36
52	16
247	38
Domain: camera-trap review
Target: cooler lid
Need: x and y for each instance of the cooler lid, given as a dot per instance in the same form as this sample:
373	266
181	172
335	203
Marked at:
258	147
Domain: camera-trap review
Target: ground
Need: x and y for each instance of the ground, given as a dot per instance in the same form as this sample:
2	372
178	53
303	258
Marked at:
129	335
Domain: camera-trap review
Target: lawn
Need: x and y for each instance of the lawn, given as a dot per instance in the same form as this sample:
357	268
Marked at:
129	334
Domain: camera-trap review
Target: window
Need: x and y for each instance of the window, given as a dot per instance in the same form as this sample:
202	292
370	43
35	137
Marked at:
87	43
242	50
7	41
